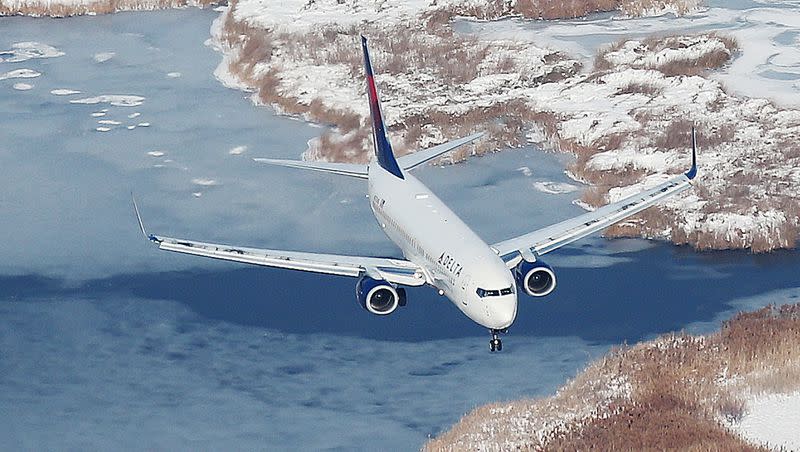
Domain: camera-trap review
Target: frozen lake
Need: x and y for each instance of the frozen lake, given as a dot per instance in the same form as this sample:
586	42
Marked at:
107	343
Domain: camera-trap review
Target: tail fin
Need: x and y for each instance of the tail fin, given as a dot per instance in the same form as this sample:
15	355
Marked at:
693	170
383	150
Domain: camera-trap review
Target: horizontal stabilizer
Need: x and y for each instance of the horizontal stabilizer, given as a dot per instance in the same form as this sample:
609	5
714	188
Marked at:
411	161
344	169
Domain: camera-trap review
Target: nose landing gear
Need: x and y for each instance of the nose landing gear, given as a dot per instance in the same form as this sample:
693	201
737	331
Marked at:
496	345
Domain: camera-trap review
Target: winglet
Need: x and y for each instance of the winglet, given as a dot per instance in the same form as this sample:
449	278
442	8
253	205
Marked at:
383	150
150	237
693	171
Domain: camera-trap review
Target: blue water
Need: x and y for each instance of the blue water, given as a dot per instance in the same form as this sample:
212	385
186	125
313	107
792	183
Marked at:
107	343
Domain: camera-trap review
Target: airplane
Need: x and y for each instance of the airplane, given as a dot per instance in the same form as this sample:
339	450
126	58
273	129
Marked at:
439	249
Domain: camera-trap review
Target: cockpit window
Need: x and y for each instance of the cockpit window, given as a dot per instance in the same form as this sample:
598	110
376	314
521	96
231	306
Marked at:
483	293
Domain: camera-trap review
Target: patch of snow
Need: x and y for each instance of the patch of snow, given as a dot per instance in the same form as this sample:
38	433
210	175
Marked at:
298	15
22	86
174	74
526	171
20	73
103	129
771	420
24	51
117	100
131	127
583	205
134	115
205	182
635	54
109	122
102	57
98	114
197	194
536	134
238	150
155	154
554	188
64	92
143	124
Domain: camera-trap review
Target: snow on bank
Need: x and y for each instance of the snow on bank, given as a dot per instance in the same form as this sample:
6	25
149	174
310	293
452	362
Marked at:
628	121
771	420
64	8
678	392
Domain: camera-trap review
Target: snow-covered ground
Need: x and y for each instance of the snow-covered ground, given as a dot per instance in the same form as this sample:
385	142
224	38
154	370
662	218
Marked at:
772	420
64	8
303	58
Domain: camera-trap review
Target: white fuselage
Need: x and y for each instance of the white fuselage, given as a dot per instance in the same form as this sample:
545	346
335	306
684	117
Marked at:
455	259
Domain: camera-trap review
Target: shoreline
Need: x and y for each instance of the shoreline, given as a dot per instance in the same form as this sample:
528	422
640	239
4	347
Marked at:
625	119
677	391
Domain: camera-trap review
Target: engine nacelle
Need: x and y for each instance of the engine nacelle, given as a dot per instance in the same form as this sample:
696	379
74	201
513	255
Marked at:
379	297
537	279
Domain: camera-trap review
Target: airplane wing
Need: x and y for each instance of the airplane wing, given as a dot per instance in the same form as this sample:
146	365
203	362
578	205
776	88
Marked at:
406	162
396	271
555	236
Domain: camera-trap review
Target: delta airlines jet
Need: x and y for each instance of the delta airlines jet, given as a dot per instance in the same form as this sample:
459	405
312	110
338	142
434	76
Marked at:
440	250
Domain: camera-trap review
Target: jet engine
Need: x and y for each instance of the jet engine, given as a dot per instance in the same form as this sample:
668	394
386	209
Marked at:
537	279
378	296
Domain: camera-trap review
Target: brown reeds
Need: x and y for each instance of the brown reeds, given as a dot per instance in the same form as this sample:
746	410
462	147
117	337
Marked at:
680	66
44	8
680	390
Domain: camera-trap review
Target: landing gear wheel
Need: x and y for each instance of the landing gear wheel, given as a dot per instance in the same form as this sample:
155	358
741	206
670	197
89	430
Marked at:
495	345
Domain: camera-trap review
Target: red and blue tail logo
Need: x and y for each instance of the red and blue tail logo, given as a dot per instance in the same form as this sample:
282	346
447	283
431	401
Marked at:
383	150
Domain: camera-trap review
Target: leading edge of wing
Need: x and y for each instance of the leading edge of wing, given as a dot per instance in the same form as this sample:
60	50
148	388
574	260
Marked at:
398	271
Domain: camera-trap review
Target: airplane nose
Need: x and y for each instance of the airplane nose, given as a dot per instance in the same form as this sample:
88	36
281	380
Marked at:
505	313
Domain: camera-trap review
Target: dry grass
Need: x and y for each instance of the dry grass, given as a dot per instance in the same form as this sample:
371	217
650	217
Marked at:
637	8
440	54
681	387
648	89
675	67
553	9
433	51
40	8
559	9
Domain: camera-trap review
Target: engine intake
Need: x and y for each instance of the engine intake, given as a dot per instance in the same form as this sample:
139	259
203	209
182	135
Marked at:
377	296
537	279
